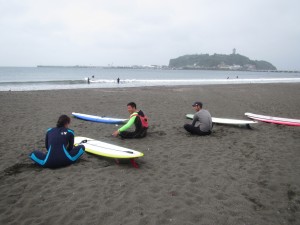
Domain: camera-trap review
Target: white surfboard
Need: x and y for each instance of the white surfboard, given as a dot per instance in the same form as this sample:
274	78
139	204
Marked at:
107	150
226	120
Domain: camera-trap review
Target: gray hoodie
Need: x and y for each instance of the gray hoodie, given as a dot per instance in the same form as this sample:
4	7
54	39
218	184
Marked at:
202	118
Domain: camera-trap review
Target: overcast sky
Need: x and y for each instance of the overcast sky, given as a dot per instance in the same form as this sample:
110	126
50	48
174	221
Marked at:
146	32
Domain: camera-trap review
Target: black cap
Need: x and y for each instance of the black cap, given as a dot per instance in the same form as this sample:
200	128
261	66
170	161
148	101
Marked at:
197	104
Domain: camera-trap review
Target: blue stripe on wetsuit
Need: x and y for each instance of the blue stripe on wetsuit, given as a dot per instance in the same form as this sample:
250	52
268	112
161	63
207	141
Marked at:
71	132
39	161
74	158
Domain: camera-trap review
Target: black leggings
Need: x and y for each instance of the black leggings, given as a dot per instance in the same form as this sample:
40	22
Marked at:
195	130
127	134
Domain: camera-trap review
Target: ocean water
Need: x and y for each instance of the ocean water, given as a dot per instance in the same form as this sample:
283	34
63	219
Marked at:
50	78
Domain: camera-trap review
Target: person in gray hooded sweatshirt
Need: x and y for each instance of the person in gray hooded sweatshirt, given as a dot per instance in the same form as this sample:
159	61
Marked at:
202	123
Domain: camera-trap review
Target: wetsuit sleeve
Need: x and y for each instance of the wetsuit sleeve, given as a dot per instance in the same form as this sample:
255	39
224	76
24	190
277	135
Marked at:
71	140
47	138
46	141
128	124
71	143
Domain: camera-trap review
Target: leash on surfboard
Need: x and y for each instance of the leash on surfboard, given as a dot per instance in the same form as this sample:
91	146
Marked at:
85	141
133	162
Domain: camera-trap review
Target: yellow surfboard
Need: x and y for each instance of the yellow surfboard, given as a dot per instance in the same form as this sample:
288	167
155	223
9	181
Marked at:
108	150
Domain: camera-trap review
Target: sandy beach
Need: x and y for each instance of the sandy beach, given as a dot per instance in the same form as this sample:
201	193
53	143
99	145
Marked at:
234	176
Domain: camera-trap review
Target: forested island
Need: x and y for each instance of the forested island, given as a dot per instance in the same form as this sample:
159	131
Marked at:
219	62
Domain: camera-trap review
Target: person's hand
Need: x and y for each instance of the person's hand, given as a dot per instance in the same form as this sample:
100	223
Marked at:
116	133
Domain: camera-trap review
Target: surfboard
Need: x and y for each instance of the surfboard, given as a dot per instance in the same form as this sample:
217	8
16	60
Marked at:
108	150
275	120
98	119
226	120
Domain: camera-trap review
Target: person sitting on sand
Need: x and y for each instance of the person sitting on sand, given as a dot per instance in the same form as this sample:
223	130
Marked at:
137	118
202	120
59	144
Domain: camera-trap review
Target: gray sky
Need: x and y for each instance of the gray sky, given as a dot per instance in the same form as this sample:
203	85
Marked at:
145	32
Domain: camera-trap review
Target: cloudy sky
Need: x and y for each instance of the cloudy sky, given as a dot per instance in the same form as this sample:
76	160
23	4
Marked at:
145	32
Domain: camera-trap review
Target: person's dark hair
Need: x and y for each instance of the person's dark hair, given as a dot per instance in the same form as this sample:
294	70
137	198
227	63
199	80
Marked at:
132	104
63	120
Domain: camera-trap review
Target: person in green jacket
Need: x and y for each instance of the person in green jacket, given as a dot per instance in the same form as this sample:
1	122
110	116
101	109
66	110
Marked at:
137	118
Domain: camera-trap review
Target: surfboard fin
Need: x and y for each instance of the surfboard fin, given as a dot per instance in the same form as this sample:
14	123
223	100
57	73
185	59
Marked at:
134	164
132	161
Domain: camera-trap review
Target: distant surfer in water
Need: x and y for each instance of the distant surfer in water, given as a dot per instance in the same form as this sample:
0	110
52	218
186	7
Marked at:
59	144
118	80
138	118
202	123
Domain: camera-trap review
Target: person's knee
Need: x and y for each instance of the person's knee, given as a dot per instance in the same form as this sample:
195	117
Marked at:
76	150
80	147
186	127
37	154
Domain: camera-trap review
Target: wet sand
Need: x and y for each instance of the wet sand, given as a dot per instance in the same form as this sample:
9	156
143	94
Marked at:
234	176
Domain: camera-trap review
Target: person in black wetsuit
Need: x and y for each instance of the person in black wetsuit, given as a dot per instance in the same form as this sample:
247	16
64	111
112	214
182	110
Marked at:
137	118
59	144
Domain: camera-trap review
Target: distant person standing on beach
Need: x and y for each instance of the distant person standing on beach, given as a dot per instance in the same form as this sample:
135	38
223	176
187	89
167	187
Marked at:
59	143
118	80
88	80
202	123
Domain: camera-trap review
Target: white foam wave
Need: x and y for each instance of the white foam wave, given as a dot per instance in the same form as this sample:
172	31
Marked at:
109	83
199	81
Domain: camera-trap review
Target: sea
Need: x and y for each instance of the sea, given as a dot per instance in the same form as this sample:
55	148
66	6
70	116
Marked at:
53	78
